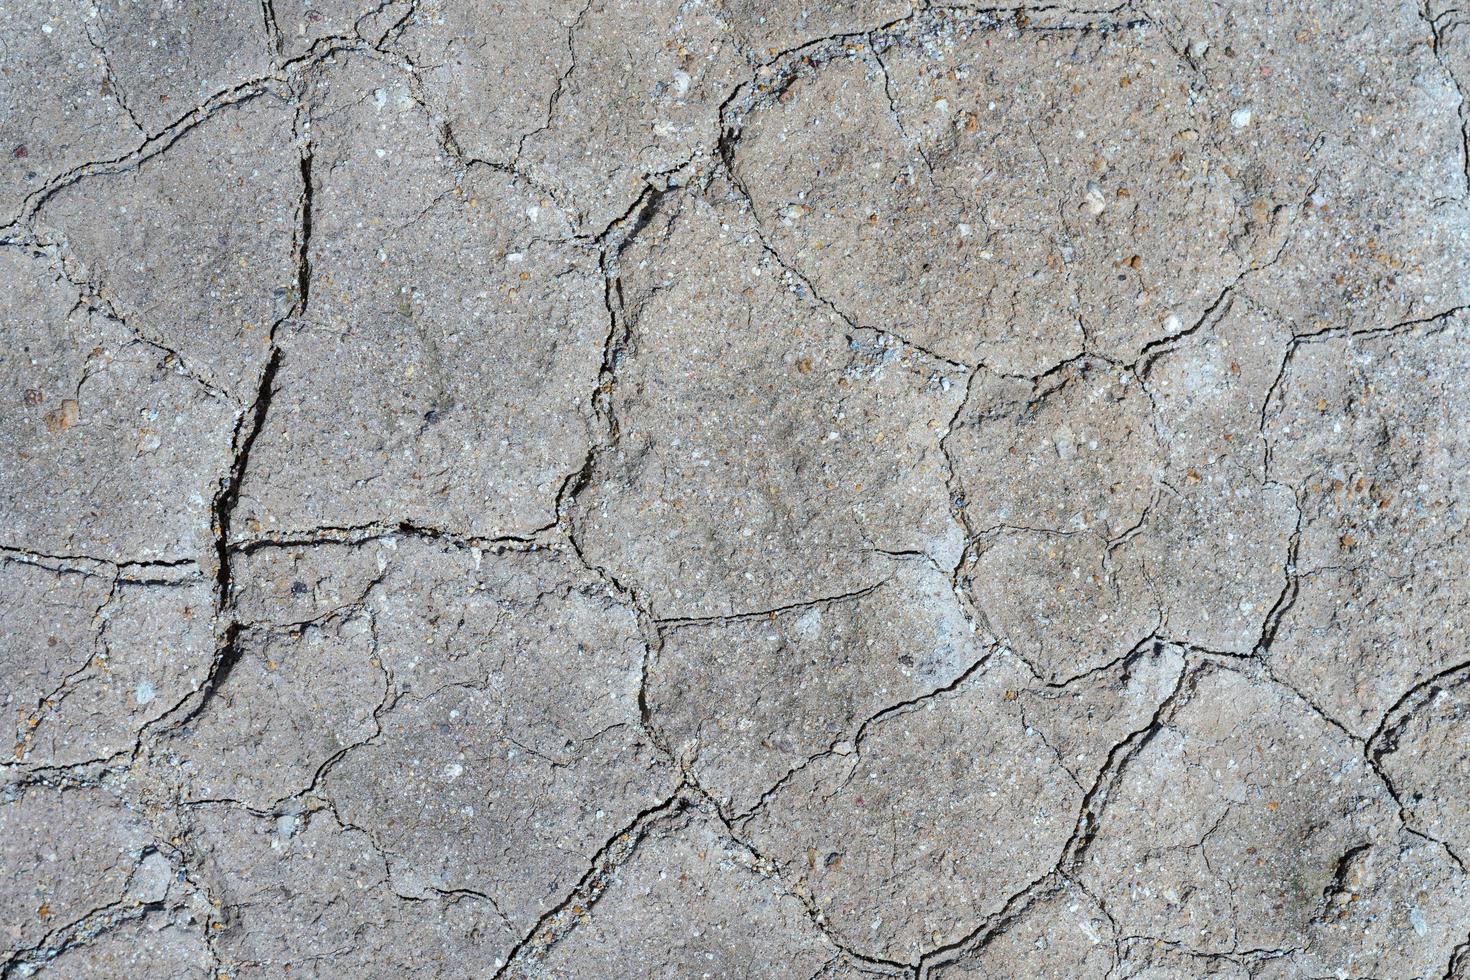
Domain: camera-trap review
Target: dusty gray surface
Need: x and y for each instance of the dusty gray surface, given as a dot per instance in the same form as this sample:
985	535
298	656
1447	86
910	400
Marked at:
721	488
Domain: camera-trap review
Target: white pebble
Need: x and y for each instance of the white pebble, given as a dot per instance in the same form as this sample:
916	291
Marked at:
1093	200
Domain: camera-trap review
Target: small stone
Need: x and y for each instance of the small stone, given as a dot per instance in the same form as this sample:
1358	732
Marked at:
1093	199
63	417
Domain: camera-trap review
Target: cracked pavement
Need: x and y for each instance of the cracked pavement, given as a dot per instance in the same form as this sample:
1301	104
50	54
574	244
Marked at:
638	488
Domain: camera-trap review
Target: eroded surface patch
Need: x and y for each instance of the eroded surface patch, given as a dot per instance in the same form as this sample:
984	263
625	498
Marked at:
638	488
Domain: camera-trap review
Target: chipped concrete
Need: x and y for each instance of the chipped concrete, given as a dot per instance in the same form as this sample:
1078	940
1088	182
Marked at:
637	488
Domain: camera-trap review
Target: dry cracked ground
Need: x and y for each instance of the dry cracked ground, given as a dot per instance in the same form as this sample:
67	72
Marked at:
726	488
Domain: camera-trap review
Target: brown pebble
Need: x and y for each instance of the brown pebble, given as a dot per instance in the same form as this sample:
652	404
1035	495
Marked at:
64	417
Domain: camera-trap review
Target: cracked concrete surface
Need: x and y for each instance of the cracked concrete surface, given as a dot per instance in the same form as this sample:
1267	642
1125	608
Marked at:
720	488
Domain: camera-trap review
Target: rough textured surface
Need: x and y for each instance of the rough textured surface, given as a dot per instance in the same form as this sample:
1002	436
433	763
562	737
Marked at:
721	488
